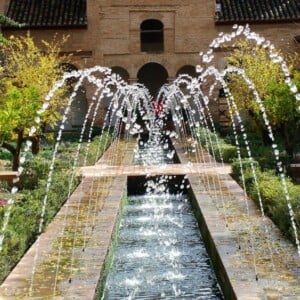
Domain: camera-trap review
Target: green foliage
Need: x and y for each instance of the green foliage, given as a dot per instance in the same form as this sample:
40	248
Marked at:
205	136
272	194
260	152
35	169
255	61
96	148
275	203
7	21
28	204
269	82
217	146
5	155
280	103
243	165
27	74
224	152
17	109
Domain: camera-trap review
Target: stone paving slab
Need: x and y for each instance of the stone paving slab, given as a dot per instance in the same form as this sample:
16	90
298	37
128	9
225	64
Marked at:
8	176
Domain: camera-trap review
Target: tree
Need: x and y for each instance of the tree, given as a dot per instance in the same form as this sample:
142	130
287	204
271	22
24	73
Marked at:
28	73
269	81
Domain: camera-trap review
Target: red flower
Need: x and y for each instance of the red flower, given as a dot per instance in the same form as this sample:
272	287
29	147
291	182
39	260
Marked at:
3	202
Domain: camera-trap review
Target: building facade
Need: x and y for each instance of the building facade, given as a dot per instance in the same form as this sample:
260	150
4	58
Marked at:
151	41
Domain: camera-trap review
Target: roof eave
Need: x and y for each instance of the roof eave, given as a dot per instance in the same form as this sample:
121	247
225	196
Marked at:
251	21
31	27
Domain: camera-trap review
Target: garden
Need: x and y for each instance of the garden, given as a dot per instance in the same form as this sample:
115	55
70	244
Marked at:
23	226
261	150
28	72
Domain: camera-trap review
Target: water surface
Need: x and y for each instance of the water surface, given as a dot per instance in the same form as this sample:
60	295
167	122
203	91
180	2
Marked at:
160	253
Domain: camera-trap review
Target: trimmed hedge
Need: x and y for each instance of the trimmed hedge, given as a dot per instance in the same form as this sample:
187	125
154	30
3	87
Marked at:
223	152
275	203
216	146
243	165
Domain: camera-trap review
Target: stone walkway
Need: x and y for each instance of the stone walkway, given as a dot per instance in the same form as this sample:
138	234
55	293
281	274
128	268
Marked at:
8	176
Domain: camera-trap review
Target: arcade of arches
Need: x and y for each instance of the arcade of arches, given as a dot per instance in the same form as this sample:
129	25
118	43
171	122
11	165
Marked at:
153	75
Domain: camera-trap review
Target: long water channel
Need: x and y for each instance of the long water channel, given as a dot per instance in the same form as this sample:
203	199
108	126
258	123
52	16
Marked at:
160	253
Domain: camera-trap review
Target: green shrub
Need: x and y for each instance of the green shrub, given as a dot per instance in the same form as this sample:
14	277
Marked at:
265	156
225	152
210	141
5	155
205	136
274	200
237	166
259	151
95	149
35	168
47	154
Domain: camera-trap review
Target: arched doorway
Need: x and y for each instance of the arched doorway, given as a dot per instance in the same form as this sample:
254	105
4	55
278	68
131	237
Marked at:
153	76
121	72
187	69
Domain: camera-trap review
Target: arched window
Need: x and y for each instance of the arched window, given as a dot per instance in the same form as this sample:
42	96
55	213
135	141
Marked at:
152	36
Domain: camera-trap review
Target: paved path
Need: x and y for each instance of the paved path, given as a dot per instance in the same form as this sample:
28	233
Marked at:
8	176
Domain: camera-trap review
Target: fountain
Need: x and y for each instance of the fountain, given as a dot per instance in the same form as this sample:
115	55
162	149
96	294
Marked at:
245	248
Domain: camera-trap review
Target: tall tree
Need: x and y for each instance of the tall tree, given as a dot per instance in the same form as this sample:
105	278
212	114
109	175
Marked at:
269	81
28	72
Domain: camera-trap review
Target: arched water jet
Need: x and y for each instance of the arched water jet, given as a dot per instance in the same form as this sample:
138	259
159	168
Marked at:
176	101
209	71
81	75
244	31
232	69
103	88
207	58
